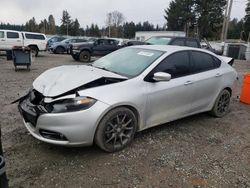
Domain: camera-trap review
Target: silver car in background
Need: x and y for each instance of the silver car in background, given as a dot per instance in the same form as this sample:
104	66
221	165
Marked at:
129	90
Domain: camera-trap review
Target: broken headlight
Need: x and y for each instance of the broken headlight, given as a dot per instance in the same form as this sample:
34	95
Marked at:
71	105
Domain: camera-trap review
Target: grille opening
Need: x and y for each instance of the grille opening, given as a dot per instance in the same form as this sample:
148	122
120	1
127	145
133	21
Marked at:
52	135
36	98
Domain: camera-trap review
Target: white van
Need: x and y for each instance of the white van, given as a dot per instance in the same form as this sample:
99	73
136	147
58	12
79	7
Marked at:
36	41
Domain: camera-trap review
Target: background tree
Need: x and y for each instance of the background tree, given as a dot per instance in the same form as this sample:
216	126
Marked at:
31	25
66	23
207	16
113	21
51	25
43	26
75	30
129	30
247	19
179	14
210	17
236	29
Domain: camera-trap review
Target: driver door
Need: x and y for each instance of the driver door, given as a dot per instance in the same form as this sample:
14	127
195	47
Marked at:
170	100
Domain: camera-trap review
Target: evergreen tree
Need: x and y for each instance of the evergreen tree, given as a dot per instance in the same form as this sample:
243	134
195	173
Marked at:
210	17
247	19
51	25
31	25
43	26
129	30
66	23
183	15
179	14
75	31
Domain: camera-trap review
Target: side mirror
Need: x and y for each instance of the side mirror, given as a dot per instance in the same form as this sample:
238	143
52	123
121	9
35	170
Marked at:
161	77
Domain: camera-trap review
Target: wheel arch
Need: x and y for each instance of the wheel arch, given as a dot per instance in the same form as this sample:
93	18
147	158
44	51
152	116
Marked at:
33	45
86	49
60	46
131	107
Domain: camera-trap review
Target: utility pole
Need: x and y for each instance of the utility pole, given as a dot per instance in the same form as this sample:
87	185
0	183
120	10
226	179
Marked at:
228	19
224	22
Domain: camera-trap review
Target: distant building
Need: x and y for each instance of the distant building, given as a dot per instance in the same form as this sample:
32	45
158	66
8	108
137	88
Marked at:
144	35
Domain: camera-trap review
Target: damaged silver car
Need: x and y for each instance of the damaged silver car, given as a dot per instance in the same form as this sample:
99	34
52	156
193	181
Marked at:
129	90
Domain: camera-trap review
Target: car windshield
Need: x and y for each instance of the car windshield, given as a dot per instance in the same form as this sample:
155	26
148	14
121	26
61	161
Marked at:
129	62
158	40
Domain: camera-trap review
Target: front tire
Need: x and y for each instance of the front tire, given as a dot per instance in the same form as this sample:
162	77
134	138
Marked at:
59	50
85	56
116	130
34	51
222	104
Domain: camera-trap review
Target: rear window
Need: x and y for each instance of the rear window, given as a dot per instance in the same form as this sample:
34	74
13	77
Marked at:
178	42
1	34
158	40
34	36
12	35
192	43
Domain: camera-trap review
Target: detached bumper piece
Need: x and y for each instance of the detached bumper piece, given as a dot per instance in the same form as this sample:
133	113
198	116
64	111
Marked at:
31	107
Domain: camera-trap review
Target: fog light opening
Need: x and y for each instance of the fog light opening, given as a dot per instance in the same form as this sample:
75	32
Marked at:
52	135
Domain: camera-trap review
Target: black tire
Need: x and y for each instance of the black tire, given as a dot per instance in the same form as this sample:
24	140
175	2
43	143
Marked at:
85	56
116	130
59	50
222	104
34	50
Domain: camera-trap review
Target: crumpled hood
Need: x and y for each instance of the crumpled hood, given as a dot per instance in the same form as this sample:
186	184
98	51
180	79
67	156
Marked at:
59	80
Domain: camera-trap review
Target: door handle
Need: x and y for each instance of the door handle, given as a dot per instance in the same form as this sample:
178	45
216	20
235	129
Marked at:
18	40
188	83
2	40
218	75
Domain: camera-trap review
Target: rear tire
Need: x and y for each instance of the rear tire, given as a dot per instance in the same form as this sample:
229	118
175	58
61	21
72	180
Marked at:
85	56
222	104
116	130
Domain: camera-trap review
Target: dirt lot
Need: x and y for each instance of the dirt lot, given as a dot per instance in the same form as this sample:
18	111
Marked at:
199	151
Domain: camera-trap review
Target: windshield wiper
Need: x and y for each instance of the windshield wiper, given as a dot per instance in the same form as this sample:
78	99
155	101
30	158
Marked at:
103	68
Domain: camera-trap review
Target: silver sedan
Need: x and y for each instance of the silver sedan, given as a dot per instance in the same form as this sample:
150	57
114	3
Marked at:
129	90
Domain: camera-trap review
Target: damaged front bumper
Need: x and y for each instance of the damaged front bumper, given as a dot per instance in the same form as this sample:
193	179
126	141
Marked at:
67	129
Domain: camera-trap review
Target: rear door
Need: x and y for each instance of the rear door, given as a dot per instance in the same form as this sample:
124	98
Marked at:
207	77
13	38
170	100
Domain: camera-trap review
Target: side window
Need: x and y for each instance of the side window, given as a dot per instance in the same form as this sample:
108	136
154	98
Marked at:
12	35
1	34
113	42
177	65
178	42
101	42
202	62
192	43
34	36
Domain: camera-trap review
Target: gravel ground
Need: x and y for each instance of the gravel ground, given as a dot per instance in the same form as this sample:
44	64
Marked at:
198	151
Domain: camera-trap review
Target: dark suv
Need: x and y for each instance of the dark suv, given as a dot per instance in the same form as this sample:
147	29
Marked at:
95	47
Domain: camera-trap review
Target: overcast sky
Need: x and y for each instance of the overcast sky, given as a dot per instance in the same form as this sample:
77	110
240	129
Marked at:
92	11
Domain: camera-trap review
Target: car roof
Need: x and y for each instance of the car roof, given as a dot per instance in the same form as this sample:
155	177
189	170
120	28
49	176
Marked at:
169	48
